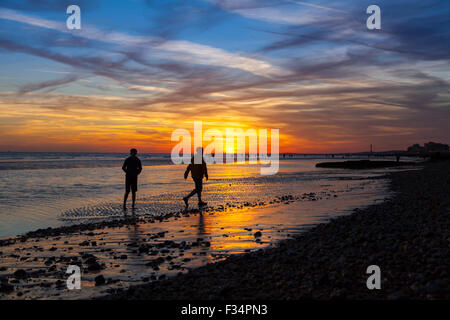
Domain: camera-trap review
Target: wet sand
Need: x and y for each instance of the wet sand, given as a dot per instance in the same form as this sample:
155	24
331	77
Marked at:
135	250
407	236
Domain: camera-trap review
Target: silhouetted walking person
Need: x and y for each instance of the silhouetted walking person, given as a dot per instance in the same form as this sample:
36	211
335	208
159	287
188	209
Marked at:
198	171
132	167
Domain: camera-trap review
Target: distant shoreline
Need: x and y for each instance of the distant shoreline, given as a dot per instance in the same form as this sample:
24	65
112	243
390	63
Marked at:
365	164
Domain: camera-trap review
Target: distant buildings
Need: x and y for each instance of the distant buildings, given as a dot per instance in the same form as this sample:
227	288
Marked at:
430	147
416	148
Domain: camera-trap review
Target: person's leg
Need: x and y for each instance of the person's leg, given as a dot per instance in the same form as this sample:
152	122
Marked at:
133	188
191	194
186	199
199	189
127	192
125	197
133	196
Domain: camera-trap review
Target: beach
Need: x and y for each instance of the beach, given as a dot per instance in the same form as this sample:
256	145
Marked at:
160	239
314	242
407	236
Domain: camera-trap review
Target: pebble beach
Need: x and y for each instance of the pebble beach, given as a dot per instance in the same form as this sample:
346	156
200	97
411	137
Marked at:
309	245
407	236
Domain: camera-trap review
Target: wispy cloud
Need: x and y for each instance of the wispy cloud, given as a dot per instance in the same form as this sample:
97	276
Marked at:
317	6
185	50
51	84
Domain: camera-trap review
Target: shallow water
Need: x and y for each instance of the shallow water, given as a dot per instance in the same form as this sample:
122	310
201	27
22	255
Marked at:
49	190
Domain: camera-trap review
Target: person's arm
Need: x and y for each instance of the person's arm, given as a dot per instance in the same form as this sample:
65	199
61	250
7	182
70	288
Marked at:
139	168
124	166
186	173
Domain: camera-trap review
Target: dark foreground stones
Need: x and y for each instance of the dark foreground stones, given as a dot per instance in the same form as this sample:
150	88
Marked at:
5	287
20	274
407	236
100	280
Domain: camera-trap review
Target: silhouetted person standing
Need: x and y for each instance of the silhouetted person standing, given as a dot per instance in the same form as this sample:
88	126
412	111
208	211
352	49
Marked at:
132	167
198	171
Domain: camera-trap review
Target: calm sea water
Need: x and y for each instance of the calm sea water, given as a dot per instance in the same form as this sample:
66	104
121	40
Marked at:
39	190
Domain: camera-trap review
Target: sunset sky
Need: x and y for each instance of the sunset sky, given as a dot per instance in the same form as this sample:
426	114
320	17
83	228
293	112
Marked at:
137	70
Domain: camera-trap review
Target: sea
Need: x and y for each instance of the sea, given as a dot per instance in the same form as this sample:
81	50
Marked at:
41	190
